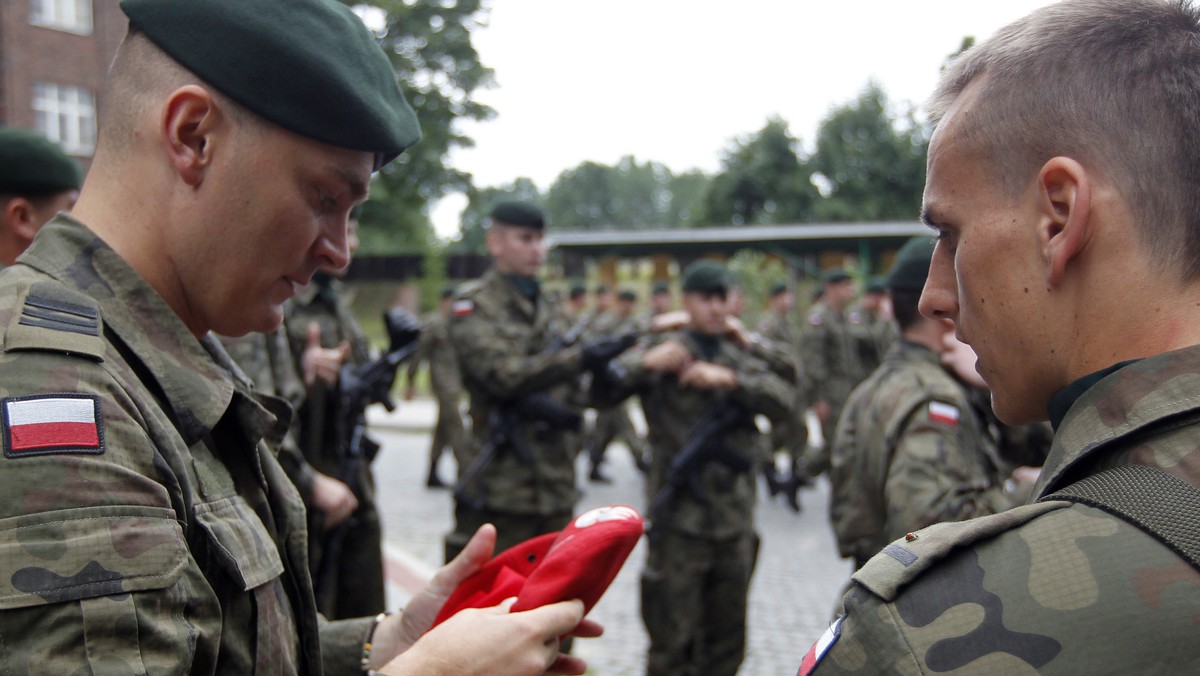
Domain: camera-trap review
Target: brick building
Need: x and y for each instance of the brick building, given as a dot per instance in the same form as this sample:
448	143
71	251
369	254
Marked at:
53	57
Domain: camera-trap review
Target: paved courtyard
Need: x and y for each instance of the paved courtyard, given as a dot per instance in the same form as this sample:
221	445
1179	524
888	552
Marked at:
792	595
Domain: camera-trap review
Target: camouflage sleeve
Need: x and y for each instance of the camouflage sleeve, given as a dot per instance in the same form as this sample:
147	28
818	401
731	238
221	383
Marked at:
936	473
493	353
761	390
342	644
296	466
97	577
816	364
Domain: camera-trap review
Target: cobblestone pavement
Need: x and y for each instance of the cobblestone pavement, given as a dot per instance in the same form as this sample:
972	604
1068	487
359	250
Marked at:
796	583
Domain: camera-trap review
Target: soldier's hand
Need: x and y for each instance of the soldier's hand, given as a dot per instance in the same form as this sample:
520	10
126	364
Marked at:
668	357
320	363
333	498
1026	475
704	375
736	330
670	321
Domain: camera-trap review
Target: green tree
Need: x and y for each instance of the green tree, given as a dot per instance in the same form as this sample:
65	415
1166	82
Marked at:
763	179
870	161
429	44
480	202
630	195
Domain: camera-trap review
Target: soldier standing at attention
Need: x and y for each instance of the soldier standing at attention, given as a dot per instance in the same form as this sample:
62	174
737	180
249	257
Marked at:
830	361
324	337
702	546
147	527
504	329
871	323
445	379
777	328
909	450
37	180
1061	183
613	422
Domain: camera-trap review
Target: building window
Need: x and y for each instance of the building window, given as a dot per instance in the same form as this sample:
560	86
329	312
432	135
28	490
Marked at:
68	15
66	115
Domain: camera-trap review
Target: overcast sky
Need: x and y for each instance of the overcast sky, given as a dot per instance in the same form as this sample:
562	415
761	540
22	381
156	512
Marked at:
674	81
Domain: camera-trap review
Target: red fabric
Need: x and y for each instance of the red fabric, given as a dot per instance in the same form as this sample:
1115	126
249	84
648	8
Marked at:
54	435
580	562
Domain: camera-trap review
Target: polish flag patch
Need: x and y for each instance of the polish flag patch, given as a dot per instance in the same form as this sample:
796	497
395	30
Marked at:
462	308
817	652
51	424
943	413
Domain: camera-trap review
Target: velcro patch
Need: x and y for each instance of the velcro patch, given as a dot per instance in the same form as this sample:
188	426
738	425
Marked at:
52	424
943	413
462	308
817	652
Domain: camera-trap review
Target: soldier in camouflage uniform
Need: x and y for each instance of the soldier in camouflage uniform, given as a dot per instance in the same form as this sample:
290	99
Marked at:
702	547
37	180
830	354
445	379
909	450
614	423
776	328
503	329
1074	278
322	328
147	528
872	325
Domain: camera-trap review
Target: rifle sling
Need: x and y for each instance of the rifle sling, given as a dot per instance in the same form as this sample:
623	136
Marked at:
1157	502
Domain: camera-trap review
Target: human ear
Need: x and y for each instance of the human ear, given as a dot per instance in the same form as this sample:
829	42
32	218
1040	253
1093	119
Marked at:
189	119
1065	200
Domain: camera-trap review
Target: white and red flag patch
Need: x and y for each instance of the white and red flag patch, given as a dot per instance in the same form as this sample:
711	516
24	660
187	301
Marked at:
52	423
462	308
817	652
943	413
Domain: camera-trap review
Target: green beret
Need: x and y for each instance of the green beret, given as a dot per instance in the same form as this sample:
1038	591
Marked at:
778	289
520	214
577	291
911	267
309	66
603	288
661	288
706	276
876	284
627	295
835	276
448	291
32	165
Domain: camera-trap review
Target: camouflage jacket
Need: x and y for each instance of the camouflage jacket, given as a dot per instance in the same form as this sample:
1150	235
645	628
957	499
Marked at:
909	452
265	359
873	335
147	528
674	411
1053	587
830	355
502	338
434	348
322	424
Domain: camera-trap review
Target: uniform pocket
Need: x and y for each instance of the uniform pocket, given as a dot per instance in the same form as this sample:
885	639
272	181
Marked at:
241	543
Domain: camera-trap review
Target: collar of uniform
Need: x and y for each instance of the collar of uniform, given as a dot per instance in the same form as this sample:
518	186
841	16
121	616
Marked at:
526	286
192	384
1062	402
1125	399
506	294
708	346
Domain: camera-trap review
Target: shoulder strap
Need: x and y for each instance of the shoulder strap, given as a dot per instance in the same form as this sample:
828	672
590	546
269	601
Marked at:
1157	502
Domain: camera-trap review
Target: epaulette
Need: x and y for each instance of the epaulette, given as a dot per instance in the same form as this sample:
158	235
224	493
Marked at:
56	318
907	558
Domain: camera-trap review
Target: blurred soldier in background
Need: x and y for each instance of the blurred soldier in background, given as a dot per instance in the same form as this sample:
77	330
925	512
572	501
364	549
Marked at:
520	375
701	391
791	435
37	180
871	323
325	336
830	355
909	450
613	423
445	380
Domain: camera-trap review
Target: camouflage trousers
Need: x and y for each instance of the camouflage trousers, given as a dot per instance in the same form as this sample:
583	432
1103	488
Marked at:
694	597
511	529
612	424
447	433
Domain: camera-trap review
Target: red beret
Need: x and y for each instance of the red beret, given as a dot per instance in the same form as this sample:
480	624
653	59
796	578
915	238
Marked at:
580	562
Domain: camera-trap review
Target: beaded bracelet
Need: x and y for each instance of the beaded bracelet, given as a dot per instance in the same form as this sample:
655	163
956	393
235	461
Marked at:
365	662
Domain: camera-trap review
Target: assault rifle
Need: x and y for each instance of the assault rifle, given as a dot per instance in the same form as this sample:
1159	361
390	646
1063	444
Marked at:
705	444
505	422
359	387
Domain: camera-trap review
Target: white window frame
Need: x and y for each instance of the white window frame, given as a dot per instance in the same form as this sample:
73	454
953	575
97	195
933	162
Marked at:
66	115
73	16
